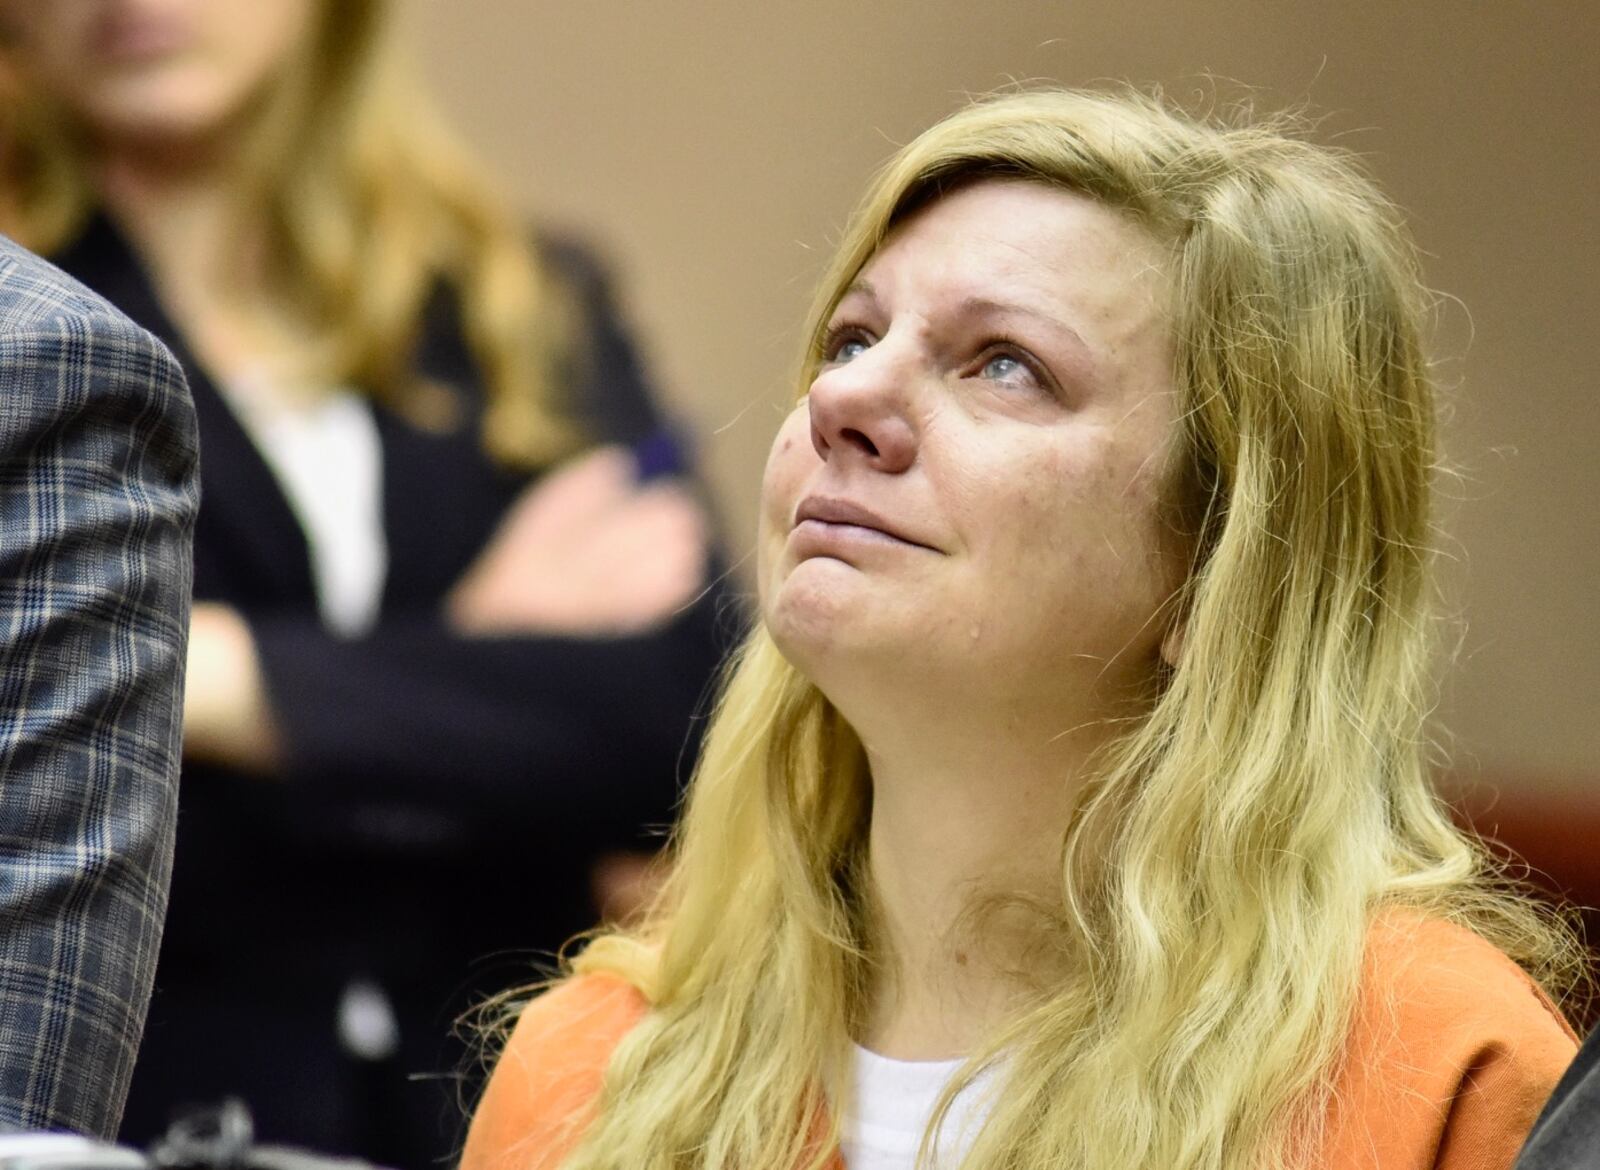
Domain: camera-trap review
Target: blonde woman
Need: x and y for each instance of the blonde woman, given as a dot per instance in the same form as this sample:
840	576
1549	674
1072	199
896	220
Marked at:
428	683
1068	806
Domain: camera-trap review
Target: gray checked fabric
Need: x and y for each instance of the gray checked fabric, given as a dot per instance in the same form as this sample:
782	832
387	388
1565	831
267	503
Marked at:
97	502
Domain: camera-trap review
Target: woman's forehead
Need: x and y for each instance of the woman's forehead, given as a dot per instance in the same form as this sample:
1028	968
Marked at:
1015	251
1044	242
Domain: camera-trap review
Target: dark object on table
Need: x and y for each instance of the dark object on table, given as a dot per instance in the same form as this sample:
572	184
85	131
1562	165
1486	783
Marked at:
219	1138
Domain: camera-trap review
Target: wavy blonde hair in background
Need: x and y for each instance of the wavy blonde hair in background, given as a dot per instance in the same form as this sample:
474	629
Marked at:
359	199
1220	877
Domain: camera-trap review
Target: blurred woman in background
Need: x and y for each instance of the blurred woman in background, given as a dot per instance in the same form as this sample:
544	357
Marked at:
449	626
1070	806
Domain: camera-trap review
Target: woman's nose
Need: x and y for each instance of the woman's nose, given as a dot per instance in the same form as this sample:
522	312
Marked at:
861	411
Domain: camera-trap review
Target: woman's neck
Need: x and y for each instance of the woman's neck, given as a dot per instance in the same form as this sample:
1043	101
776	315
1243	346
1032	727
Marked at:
179	211
965	839
175	208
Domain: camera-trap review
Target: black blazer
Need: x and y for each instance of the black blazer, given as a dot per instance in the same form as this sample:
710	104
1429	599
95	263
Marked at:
1567	1134
442	796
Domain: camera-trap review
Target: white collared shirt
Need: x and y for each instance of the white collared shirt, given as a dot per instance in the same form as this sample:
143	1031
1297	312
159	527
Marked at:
327	457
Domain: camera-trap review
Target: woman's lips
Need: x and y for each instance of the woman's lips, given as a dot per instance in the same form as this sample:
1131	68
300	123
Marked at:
124	37
823	522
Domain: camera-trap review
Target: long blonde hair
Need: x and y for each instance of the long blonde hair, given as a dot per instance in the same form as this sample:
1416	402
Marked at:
361	200
1219	879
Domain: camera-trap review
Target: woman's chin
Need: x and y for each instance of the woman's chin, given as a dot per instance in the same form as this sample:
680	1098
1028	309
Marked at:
834	631
158	113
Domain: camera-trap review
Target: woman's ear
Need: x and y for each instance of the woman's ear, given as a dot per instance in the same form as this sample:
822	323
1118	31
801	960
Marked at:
1172	642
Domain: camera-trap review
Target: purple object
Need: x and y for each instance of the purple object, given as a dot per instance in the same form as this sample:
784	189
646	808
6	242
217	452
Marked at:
657	455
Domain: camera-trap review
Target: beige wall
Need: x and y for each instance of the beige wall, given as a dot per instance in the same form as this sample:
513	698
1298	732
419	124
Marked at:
712	149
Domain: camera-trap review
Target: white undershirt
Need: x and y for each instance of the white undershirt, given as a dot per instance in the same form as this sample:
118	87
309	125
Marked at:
892	1104
327	457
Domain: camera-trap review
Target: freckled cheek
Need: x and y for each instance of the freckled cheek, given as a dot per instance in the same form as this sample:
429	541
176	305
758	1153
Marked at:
1123	503
1036	501
1091	513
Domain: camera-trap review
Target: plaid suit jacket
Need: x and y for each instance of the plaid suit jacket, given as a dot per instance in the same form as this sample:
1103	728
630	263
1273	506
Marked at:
97	503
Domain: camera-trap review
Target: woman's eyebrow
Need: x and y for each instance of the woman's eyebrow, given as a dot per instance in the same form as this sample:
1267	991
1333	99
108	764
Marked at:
986	306
860	287
989	307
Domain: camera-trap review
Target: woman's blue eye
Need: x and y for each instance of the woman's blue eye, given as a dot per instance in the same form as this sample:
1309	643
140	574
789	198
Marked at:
849	348
1003	368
